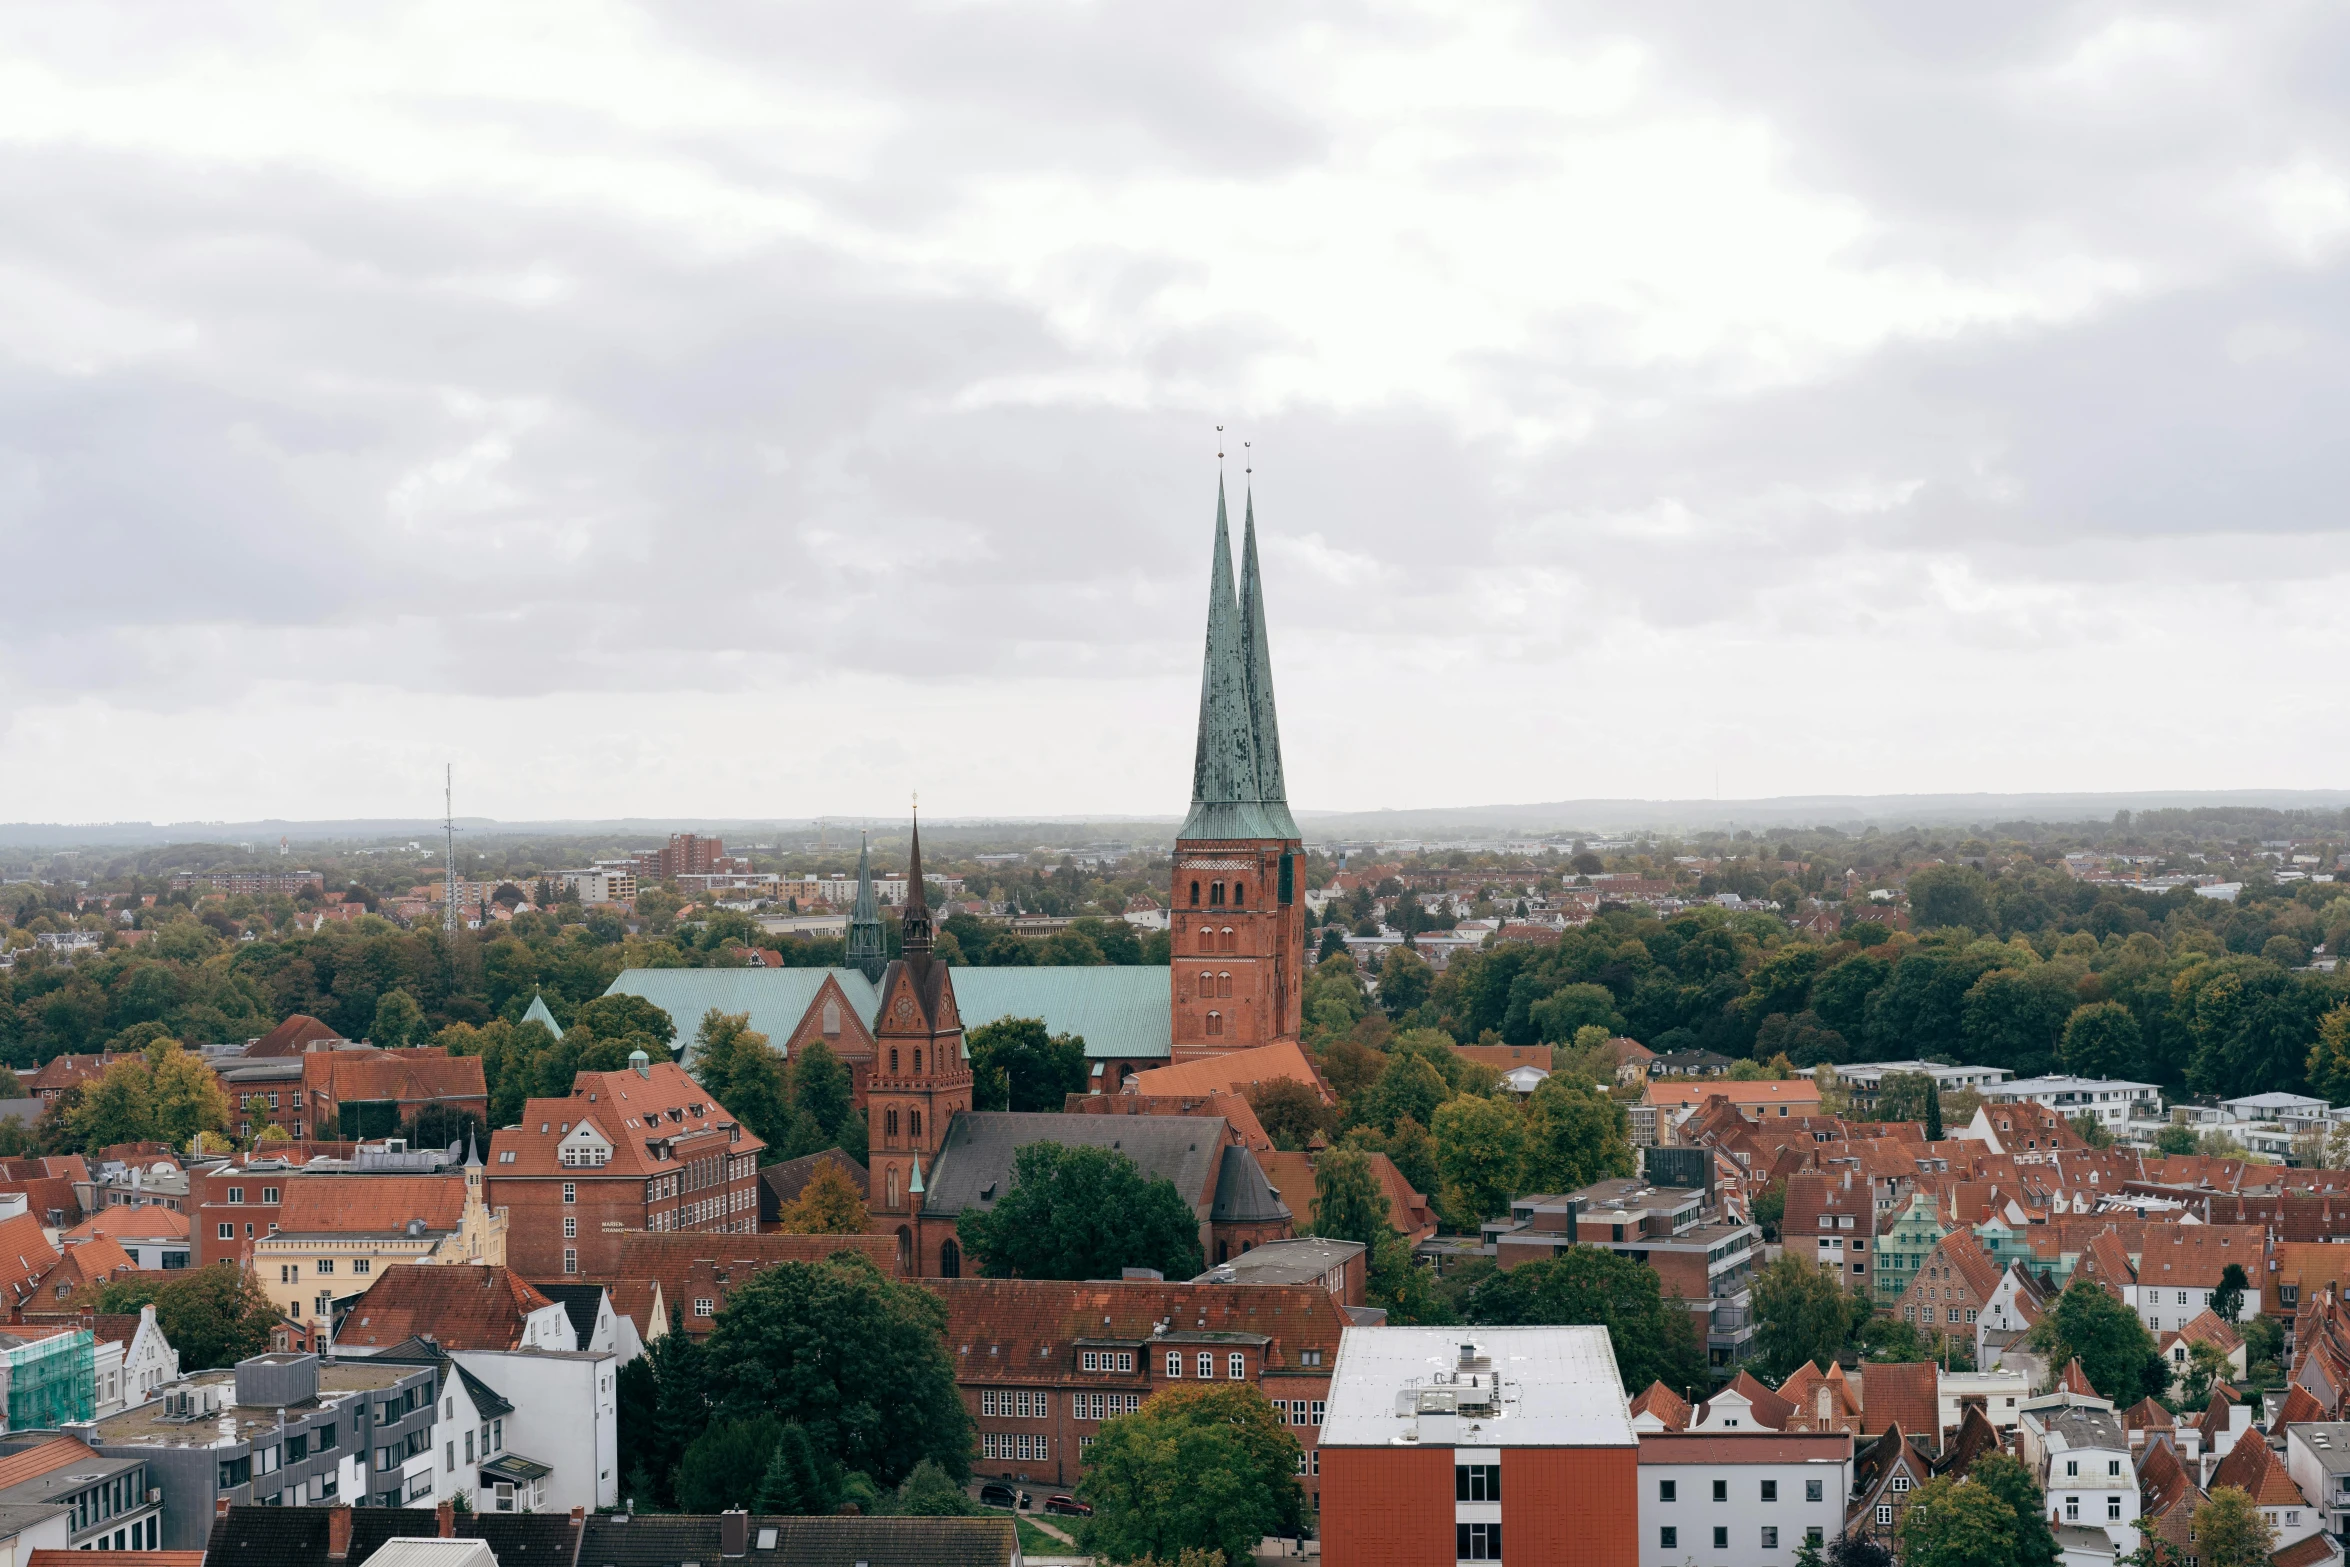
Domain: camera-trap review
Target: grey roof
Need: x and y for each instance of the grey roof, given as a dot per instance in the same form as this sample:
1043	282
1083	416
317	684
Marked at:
1123	1012
647	1540
579	1302
1300	1261
2328	1441
775	998
2085	1427
538	1013
980	1144
487	1400
1243	1195
1236	781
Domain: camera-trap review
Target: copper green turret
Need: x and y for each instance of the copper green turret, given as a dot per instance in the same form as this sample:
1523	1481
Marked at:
1237	791
866	950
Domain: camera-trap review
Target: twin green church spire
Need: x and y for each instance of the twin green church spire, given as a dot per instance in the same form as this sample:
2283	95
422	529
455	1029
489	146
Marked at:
1237	791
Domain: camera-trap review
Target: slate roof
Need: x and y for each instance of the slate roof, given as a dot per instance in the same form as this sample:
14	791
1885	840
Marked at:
782	1183
371	1205
649	1540
578	1300
254	1536
776	998
1009	1329
270	1536
974	1167
462	1307
1243	1195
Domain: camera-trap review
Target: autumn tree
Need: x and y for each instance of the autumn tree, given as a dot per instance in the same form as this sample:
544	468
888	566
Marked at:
827	1205
2230	1530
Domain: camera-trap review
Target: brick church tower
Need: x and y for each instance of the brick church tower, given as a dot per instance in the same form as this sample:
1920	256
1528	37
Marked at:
1235	919
920	1075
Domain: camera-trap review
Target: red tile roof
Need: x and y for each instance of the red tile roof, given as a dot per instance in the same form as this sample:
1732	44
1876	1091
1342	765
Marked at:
1238	1112
1661	1401
2301	1553
34	1462
62	1072
2075	1380
2146	1414
356	1076
1904	1395
152	1222
463	1306
1292	1175
2299	1407
662	1112
1769	1408
1234	1072
290	1038
370	1204
25	1254
691	1266
1004	1329
2252	1465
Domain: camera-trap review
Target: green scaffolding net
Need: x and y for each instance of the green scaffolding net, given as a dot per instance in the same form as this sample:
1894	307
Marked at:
52	1380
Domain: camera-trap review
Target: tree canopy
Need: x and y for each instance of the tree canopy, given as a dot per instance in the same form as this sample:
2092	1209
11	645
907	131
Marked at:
1081	1213
1198	1467
1655	1338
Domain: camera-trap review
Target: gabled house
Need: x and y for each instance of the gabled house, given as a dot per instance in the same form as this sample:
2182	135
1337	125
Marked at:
1884	1477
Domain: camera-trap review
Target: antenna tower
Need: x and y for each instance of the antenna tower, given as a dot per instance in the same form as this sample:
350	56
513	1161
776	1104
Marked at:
449	837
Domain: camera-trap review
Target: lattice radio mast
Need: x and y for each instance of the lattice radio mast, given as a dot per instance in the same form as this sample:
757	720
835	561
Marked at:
449	837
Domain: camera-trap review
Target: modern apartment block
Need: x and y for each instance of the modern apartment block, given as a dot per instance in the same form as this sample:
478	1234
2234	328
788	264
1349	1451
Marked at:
1754	1497
1445	1445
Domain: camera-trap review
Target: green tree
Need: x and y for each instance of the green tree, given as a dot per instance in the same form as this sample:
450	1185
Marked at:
1291	1113
2206	1364
625	1017
1905	1096
1208	1467
184	1093
2015	1017
1410	1087
1557	1016
119	1107
1802	1313
1404	981
2329	1057
795	1483
2230	1530
2175	1140
1770	1208
723	1466
2008	1479
930	1492
214	1316
1575	1136
2093	1131
2227	1301
2117	1354
1350	1204
1654	1337
399	1021
1081	1213
1480	1149
1017	1065
681	1405
1402	1286
733	1061
855	1357
2100	1040
1957	1523
1946	895
821	1088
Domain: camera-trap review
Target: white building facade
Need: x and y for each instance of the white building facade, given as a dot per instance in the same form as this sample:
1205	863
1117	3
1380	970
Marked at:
1746	1496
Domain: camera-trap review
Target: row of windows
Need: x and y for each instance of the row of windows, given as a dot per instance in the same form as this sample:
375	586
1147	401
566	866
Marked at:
1910	1313
1214	940
1213	985
592	1156
1216	894
893	1058
1669	1490
236	1194
1103	1406
889	1123
1016	1446
1300	1411
118	1495
1669	1537
291	1272
1108	1359
1235	1364
1017	1406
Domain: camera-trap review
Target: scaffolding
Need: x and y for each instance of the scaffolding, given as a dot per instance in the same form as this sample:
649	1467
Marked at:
51	1380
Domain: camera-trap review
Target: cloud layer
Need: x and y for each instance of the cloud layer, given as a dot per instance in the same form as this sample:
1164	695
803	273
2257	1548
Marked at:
733	409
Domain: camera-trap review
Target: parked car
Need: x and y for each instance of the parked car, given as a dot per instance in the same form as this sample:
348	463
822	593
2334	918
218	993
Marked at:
1069	1505
997	1494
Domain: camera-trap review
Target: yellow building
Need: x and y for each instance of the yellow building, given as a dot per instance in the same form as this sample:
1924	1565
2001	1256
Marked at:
335	1233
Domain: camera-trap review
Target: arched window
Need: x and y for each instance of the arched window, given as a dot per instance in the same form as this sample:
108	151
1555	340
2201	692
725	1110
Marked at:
905	1242
1228	944
889	1123
831	1017
950	1259
1195	894
893	1058
1239	893
1216	893
1224	984
1215	1024
1207	938
913	1123
917	1058
1207	983
893	1178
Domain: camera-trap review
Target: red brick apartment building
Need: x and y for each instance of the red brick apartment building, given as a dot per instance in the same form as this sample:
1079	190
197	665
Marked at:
1447	1445
1043	1362
645	1148
376	1091
234	1204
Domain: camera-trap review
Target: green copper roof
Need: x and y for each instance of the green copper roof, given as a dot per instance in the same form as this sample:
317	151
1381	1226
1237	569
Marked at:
1237	789
1123	1012
775	998
538	1013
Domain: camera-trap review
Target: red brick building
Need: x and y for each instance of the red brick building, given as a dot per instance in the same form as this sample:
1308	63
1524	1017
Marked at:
1447	1445
920	1078
377	1091
833	1019
696	1273
645	1148
1235	916
234	1204
1043	1362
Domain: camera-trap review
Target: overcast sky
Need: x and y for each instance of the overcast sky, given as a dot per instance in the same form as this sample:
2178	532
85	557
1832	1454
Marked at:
771	410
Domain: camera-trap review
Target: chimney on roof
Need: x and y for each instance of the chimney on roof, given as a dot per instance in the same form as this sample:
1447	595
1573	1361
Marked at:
338	1530
446	1514
734	1532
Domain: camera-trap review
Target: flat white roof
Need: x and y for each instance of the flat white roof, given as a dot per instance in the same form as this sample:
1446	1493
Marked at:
2273	1101
2025	1087
1559	1387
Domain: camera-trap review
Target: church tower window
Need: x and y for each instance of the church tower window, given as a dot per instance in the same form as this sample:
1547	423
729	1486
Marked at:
893	1058
1215	1024
1195	894
913	1123
1216	893
1239	893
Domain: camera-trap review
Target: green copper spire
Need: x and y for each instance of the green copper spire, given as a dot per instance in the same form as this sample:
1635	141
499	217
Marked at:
1272	791
865	947
1228	799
